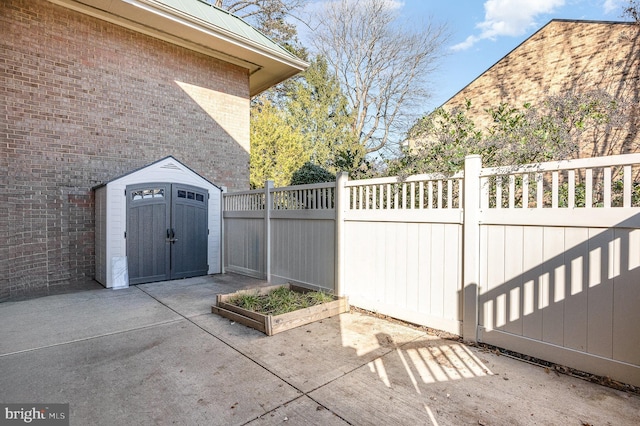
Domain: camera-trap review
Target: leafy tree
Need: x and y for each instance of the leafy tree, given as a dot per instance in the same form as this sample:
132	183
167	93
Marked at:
381	64
594	122
563	126
441	140
522	135
314	106
317	108
277	150
311	173
354	161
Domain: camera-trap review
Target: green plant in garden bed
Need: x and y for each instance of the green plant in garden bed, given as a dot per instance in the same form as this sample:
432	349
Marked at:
280	301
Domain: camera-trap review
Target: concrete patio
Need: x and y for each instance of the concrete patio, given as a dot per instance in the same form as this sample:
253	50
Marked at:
154	354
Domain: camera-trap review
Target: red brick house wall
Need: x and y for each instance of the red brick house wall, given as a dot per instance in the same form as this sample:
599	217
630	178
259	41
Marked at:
83	101
564	56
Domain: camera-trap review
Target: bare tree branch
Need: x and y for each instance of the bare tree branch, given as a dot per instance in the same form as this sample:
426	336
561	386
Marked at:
632	10
269	16
382	65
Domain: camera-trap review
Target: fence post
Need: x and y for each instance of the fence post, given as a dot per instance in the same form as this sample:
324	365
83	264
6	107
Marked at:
471	250
340	206
222	234
268	204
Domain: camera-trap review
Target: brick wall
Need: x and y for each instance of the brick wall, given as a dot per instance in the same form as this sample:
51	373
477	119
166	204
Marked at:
83	101
564	56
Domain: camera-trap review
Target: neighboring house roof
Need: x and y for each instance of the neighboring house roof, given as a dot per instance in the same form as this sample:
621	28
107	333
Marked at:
556	57
204	28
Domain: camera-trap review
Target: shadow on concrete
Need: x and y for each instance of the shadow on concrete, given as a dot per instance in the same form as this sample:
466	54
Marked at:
154	354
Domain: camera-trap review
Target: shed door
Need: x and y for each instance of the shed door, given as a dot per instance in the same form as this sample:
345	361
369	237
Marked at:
189	231
166	232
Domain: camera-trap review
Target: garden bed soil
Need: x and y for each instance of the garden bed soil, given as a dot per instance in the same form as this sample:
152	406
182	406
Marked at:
272	324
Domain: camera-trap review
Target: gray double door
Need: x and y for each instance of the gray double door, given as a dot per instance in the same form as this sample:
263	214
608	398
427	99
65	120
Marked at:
166	231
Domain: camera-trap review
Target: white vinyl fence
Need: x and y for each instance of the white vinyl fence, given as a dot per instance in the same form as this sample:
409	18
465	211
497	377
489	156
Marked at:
541	259
402	248
560	263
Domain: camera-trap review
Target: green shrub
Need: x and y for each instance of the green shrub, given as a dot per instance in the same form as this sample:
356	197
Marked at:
311	173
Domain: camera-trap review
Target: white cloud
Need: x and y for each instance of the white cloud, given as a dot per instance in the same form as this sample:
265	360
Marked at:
509	18
610	6
467	43
396	5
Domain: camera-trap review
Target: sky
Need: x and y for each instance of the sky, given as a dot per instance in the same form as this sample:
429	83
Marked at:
482	32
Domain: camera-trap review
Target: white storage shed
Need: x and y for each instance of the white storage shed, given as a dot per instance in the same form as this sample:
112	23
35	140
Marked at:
161	222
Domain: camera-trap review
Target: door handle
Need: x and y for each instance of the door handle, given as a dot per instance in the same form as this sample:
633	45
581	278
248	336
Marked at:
171	236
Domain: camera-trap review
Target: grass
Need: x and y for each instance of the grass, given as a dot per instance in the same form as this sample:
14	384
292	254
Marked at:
280	301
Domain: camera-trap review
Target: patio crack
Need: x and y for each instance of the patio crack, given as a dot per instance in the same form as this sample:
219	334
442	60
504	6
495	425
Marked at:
98	336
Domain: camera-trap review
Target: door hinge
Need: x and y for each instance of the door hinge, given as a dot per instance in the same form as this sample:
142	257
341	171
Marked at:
125	192
125	234
207	232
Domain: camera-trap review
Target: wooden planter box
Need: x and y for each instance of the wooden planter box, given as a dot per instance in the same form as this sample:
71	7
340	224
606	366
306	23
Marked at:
270	324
